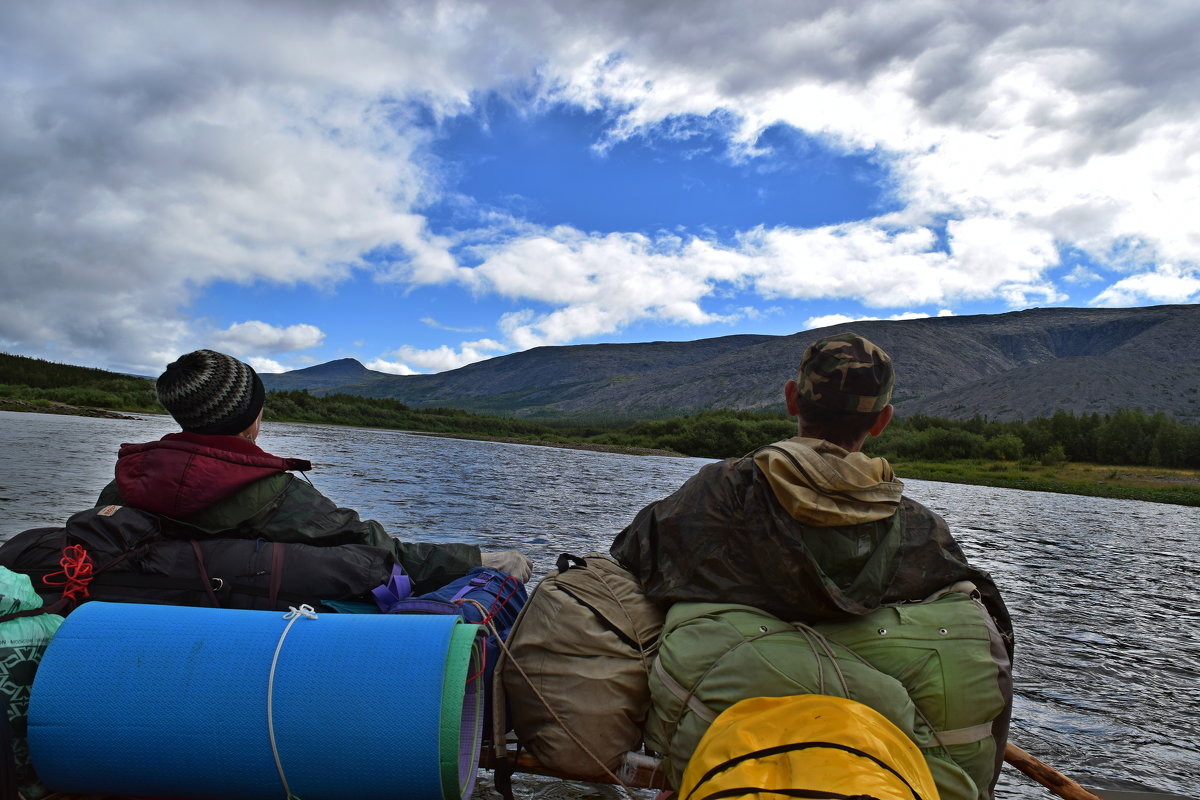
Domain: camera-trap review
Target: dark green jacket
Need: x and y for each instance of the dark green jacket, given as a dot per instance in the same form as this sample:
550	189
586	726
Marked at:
725	536
225	486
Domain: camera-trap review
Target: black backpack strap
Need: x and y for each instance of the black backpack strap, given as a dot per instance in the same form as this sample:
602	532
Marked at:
566	561
502	775
208	587
55	607
277	553
8	762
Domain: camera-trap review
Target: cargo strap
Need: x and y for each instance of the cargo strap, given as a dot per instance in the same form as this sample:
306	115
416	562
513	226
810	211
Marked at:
690	700
788	748
975	733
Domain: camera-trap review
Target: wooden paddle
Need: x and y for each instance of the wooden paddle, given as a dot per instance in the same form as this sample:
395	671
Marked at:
1046	775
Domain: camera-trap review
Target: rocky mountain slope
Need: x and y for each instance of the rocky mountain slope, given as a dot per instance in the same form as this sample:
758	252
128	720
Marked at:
1018	365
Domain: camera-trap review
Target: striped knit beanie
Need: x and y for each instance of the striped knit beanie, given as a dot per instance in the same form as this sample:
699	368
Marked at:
210	392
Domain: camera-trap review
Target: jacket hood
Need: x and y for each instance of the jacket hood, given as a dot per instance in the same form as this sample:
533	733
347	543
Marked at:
185	473
823	485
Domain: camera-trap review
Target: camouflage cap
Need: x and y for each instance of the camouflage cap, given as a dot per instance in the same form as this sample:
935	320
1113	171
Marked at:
846	372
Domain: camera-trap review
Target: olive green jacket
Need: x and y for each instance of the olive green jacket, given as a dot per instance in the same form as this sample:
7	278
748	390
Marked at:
801	529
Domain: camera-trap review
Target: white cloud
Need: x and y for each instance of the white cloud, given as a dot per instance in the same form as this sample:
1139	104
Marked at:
882	266
1081	274
601	283
596	284
149	154
390	367
266	365
827	320
1169	284
442	358
242	338
433	323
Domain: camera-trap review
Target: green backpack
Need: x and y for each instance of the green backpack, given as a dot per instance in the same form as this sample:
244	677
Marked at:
952	661
932	669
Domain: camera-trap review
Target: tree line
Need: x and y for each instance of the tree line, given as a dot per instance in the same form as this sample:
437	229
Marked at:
1124	437
40	382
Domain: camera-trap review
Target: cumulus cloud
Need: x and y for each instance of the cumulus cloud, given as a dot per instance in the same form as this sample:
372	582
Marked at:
390	367
442	358
150	155
147	155
1169	284
254	337
827	320
601	283
266	365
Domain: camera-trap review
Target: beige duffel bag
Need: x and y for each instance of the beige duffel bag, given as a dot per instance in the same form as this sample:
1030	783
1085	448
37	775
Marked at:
576	668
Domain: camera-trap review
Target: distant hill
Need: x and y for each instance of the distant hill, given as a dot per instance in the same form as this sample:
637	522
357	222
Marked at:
342	375
1018	365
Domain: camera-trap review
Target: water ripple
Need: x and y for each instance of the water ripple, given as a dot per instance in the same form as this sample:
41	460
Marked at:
1101	591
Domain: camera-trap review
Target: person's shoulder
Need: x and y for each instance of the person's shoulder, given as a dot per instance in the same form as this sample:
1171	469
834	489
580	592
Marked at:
917	515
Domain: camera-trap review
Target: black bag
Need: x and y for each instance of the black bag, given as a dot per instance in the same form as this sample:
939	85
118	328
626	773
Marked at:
120	554
8	765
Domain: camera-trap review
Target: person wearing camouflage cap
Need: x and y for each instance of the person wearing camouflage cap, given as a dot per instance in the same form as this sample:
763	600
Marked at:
847	373
215	478
811	529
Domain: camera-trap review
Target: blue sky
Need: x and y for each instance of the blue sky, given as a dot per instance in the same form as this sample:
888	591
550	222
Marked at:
420	190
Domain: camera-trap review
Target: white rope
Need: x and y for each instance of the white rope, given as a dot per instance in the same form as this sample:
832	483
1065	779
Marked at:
292	615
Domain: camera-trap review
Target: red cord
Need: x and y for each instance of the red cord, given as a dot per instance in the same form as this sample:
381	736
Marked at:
498	604
76	573
513	585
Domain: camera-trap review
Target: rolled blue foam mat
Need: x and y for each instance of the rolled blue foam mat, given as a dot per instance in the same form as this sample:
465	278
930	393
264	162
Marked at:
172	701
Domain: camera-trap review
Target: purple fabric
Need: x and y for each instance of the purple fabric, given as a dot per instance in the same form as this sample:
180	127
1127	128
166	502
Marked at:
397	588
479	579
421	605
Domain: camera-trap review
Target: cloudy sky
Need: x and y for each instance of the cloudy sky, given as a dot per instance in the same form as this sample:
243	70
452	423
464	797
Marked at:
419	185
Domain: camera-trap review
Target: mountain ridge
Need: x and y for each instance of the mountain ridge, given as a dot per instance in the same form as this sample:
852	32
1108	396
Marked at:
1016	365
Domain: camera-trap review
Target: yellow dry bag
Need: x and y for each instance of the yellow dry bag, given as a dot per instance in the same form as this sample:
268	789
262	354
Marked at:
809	746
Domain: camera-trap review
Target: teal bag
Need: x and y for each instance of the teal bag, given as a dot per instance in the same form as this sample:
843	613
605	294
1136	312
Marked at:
24	633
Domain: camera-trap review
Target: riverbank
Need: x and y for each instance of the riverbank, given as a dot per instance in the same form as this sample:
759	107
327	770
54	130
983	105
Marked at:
51	407
1148	484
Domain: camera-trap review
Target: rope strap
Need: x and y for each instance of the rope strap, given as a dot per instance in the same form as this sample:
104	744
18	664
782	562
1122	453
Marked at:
683	695
292	615
76	572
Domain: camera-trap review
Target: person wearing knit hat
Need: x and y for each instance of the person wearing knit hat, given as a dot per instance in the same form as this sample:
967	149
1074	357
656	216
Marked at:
812	530
214	477
210	392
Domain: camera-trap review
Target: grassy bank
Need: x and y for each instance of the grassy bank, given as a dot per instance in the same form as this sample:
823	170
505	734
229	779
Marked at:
1151	484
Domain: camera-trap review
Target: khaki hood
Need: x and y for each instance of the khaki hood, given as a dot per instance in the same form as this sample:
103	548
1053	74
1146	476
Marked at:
821	484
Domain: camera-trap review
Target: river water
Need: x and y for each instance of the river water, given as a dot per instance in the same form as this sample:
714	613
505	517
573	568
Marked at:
1102	592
